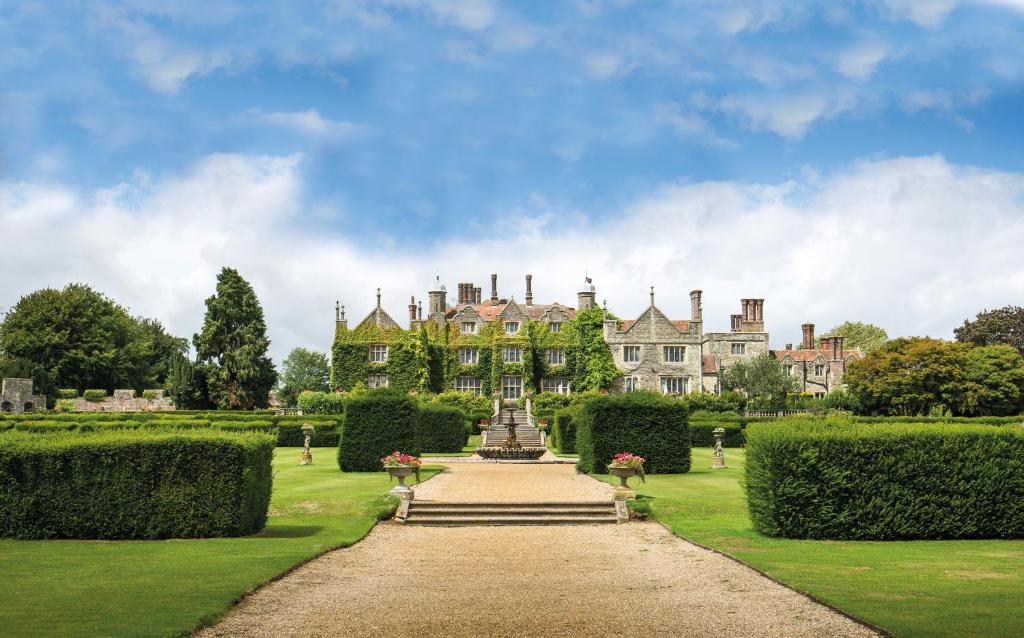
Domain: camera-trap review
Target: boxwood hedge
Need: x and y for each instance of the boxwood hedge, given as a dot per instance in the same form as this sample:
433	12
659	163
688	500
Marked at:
129	484
644	423
702	434
563	431
885	482
376	424
440	428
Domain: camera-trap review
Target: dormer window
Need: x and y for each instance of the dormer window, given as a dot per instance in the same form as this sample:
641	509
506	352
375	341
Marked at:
511	327
819	369
468	327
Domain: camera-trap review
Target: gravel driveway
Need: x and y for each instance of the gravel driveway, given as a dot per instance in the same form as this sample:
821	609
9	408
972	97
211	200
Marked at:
589	580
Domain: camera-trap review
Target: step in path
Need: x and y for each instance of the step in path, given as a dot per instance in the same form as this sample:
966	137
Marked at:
559	580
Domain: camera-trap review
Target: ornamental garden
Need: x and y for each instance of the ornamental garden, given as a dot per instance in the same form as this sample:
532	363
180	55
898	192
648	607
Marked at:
883	502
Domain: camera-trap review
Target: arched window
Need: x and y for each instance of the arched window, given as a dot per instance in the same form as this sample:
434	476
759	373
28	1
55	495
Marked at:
6	406
29	407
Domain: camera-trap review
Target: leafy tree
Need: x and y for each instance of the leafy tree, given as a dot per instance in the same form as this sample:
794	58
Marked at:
857	334
991	327
187	384
993	382
909	377
763	380
304	370
588	359
78	338
233	345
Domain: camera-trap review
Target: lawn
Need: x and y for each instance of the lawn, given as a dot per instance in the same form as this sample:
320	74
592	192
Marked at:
161	588
910	588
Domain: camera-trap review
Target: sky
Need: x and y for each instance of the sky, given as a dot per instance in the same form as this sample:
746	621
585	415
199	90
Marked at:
842	160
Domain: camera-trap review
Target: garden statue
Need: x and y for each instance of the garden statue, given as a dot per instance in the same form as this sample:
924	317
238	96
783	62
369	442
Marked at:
306	458
719	455
510	440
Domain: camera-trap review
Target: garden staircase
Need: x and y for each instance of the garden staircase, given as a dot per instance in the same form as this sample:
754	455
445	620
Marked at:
465	514
526	434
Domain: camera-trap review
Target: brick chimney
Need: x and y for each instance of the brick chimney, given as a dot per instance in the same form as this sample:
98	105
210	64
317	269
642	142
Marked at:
735	322
808	341
789	346
412	309
696	312
529	290
494	287
476	294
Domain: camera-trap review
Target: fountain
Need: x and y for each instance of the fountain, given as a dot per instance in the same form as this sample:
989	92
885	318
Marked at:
510	448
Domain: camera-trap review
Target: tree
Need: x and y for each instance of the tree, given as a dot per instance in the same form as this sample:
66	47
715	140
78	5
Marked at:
304	370
993	382
588	359
992	327
187	384
233	345
763	380
78	338
909	377
866	336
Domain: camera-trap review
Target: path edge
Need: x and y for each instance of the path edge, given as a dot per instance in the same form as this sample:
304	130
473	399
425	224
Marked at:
860	621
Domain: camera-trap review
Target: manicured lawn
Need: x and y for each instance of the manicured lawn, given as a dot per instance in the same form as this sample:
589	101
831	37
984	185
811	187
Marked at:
161	588
910	588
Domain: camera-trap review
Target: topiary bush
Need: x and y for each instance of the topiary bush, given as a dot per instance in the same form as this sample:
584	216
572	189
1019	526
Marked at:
152	394
885	482
644	423
563	431
134	484
321	402
95	395
376	424
440	428
67	393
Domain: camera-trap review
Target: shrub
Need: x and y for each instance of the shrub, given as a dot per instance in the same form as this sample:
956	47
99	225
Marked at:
563	431
440	428
321	402
151	394
644	423
884	482
95	395
376	425
325	434
474	420
64	406
465	401
705	402
702	434
67	393
134	485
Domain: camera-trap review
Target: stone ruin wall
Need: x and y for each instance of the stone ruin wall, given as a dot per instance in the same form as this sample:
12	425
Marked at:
125	401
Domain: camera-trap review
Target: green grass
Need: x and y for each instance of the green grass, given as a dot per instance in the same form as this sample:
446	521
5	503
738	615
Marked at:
161	588
910	588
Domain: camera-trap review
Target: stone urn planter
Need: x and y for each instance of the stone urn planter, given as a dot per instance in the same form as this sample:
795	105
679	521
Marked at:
485	424
542	425
401	473
401	466
623	466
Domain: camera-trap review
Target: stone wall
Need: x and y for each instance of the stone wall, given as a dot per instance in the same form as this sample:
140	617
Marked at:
16	397
126	401
652	332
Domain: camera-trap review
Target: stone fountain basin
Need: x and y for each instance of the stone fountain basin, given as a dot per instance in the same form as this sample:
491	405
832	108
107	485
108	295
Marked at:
511	452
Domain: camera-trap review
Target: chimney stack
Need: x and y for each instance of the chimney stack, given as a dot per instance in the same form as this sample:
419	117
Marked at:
838	353
736	322
476	295
412	310
529	290
808	342
494	287
789	346
696	312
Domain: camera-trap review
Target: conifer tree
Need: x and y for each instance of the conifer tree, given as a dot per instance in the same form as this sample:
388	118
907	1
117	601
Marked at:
233	346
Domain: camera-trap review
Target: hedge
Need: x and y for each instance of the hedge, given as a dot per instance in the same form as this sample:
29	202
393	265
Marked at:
325	434
321	402
702	435
376	424
440	428
134	484
644	423
67	393
94	395
885	482
563	431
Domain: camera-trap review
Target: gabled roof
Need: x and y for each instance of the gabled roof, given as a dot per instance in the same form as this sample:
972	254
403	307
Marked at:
380	318
491	311
681	325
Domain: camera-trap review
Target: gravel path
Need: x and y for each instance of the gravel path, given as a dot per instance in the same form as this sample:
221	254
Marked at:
588	580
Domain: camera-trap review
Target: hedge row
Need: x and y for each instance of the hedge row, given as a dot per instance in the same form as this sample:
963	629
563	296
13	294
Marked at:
134	484
644	423
702	435
563	431
440	428
885	482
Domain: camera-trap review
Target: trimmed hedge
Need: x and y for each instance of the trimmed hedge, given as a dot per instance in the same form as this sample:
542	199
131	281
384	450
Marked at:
885	482
325	434
134	484
376	424
321	402
94	395
563	431
67	393
644	423
702	435
440	428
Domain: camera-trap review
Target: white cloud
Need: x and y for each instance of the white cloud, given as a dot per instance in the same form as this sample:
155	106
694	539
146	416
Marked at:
913	244
859	62
931	13
788	114
470	15
309	123
691	126
605	65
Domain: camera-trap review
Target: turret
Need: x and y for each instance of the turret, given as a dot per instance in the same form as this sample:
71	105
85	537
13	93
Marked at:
586	296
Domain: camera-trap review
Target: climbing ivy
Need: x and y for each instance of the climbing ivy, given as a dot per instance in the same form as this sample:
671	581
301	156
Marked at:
588	359
407	366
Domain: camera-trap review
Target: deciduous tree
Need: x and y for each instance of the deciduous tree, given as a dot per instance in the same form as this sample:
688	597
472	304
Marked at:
992	327
303	370
763	380
857	334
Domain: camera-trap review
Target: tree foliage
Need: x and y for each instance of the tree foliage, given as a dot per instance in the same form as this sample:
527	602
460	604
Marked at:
763	380
303	370
233	345
588	359
857	334
993	327
78	338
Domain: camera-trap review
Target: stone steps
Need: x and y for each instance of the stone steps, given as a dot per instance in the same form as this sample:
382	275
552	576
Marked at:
463	514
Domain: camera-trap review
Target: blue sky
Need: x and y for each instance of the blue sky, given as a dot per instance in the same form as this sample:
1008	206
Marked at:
384	141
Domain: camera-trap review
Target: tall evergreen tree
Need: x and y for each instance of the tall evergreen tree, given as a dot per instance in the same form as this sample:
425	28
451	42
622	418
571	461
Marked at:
233	346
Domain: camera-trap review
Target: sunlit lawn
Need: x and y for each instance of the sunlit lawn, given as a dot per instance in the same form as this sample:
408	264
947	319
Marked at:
162	588
911	588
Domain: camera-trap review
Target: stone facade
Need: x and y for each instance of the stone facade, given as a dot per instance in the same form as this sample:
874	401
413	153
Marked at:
819	365
653	352
126	401
16	397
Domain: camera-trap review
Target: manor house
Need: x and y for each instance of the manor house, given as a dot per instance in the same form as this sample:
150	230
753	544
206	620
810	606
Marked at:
488	344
